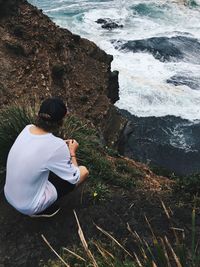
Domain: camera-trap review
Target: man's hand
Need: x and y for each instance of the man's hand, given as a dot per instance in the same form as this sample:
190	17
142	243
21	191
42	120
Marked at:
73	146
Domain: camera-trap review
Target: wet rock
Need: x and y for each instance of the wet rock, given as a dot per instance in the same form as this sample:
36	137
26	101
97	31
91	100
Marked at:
169	143
76	38
113	87
101	21
178	48
192	82
109	24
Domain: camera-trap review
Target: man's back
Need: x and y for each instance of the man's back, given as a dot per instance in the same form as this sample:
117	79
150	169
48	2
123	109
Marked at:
27	168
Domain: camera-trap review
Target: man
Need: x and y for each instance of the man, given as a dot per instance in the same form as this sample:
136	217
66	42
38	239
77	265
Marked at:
42	168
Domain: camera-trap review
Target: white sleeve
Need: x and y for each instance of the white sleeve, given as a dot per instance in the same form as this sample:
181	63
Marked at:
60	163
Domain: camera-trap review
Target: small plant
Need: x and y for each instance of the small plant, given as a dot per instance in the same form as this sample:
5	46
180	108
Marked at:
189	184
12	122
99	192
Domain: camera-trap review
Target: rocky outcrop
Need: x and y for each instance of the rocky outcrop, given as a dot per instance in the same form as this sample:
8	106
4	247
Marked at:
176	48
39	59
109	24
169	144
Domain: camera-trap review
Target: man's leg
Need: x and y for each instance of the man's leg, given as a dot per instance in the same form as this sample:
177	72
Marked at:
64	187
83	175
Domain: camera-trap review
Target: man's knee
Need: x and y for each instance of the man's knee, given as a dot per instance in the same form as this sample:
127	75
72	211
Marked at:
83	171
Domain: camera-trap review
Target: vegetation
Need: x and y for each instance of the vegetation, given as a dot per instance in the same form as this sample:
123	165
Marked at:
107	167
12	121
188	184
158	252
91	151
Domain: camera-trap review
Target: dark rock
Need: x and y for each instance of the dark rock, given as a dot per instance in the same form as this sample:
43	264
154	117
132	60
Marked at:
113	88
8	7
169	142
58	71
84	98
192	82
178	48
18	31
101	21
16	48
59	46
109	24
76	38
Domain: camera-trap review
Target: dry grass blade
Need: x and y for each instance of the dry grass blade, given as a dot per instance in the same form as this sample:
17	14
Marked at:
165	210
74	254
169	218
154	265
48	244
134	234
137	238
137	260
84	243
105	254
165	252
112	238
177	229
152	232
173	253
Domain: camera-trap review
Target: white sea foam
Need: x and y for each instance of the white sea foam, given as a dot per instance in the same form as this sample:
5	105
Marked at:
142	78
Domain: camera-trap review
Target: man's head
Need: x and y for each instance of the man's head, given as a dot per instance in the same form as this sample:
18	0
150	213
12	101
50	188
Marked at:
51	114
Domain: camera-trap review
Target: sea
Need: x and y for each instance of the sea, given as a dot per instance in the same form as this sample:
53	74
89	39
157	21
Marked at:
156	49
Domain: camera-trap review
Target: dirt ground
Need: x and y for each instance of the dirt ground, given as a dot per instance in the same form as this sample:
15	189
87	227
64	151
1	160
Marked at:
20	236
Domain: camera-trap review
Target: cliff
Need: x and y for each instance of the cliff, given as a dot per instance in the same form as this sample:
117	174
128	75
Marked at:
39	59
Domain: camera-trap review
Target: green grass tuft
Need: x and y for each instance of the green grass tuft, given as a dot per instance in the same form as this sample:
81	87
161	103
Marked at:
91	153
12	122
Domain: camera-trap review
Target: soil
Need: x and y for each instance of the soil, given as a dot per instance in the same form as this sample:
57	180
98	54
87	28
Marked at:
20	236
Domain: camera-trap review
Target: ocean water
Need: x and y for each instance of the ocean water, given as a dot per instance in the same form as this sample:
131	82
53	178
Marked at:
145	89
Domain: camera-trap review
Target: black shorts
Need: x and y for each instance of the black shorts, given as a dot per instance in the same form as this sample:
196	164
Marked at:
62	187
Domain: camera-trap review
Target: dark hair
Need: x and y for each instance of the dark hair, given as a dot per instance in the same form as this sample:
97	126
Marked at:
48	126
51	114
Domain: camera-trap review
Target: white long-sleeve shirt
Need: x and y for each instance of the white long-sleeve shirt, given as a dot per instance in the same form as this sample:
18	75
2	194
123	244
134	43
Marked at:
30	159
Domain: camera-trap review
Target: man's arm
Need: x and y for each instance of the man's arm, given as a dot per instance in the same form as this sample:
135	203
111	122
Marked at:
73	146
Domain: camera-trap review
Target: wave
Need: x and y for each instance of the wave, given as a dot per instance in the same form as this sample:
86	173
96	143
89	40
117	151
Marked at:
148	86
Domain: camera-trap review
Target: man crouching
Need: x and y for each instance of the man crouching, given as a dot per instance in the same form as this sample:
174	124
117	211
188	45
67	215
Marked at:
42	168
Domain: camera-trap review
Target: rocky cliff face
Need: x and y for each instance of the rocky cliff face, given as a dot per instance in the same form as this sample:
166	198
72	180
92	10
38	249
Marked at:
39	59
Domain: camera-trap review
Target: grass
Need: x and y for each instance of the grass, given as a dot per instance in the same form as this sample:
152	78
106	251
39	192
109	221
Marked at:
158	252
91	153
12	121
188	184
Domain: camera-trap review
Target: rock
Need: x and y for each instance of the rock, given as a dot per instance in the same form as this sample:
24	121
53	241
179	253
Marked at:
8	7
168	143
113	87
15	48
192	82
177	48
18	31
58	71
109	24
101	21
